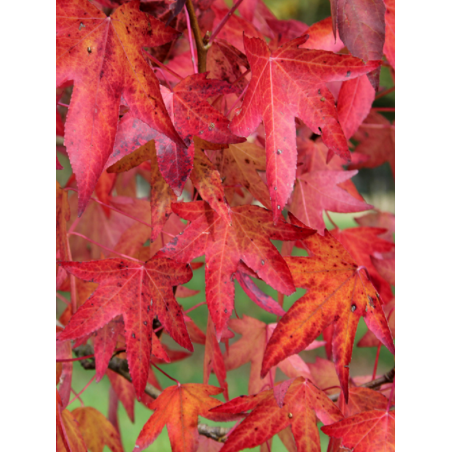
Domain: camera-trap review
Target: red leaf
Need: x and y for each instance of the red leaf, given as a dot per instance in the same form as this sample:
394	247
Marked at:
64	351
286	83
376	137
339	293
213	359
248	239
368	431
104	58
301	404
138	292
318	191
321	37
354	103
250	348
124	391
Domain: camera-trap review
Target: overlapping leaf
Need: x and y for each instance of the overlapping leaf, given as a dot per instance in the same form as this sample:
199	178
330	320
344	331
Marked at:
103	55
178	407
289	83
339	293
138	292
368	431
302	402
96	430
224	244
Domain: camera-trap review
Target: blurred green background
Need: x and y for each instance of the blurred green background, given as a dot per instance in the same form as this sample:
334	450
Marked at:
377	187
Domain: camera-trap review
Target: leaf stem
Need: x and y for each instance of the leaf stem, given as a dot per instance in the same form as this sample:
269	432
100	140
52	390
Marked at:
383	109
237	101
106	248
154	60
190	40
195	306
77	396
164	373
69	360
200	44
63	105
165	77
331	220
224	20
63	299
384	93
374	373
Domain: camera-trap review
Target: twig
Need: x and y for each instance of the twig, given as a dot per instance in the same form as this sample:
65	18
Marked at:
120	367
200	45
388	377
216	433
224	20
383	93
154	60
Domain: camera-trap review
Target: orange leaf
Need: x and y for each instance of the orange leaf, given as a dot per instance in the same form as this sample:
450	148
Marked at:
339	293
178	407
96	430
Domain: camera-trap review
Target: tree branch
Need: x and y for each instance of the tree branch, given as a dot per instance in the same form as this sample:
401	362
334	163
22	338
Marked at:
388	377
216	433
200	45
120	366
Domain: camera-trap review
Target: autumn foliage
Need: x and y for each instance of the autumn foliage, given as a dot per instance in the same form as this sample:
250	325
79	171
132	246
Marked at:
245	130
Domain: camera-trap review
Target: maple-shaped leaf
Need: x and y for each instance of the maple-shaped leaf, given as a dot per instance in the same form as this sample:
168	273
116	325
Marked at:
239	164
389	47
302	402
178	407
287	83
339	293
96	430
250	348
368	431
224	244
318	191
103	55
363	243
376	137
192	115
138	292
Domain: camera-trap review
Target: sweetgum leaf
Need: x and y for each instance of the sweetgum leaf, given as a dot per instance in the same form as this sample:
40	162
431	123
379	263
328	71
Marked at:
138	292
363	243
224	244
178	407
96	430
368	431
339	293
318	191
376	137
302	402
287	83
104	58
